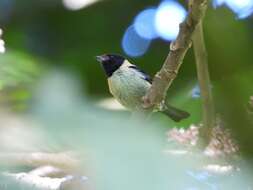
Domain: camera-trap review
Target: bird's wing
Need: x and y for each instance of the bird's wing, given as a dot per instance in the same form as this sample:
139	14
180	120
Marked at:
145	75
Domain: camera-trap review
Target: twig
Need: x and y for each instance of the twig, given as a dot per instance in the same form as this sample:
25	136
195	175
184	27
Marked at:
204	83
164	78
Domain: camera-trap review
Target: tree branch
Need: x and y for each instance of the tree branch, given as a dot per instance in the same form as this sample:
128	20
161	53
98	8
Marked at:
204	83
164	78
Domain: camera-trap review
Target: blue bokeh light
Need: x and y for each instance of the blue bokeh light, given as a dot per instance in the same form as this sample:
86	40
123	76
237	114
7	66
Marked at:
168	17
195	92
133	44
242	8
144	24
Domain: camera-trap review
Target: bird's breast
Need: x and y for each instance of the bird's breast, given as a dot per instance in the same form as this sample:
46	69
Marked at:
128	88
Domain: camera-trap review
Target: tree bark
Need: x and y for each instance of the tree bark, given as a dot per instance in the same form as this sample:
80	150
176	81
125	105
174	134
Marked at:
208	111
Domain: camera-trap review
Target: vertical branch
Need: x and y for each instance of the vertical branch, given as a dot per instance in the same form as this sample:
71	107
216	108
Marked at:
204	82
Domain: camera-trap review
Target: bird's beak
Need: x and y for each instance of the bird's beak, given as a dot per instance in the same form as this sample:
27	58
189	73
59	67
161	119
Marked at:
102	58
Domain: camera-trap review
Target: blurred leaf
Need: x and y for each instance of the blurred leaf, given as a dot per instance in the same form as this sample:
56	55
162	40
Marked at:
17	73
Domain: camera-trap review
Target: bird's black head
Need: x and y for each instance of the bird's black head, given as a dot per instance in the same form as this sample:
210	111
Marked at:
110	62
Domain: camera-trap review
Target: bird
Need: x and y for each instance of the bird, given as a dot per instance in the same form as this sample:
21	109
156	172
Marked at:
128	84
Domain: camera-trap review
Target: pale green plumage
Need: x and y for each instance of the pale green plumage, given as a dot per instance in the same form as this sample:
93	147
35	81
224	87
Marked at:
127	87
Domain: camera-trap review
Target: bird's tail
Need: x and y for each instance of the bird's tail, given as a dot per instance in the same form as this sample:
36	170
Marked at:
174	113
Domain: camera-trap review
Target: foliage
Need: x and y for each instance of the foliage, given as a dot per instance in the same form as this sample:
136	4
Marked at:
18	72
